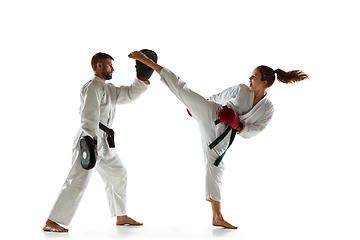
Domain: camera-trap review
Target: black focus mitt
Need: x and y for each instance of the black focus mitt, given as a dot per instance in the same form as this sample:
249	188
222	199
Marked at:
144	72
88	152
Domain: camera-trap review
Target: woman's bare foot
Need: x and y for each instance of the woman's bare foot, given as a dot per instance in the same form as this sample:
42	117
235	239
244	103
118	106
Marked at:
220	222
218	219
51	226
125	220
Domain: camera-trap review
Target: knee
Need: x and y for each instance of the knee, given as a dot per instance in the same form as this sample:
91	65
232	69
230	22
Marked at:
120	173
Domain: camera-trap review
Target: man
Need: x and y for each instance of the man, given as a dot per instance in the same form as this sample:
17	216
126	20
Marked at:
98	105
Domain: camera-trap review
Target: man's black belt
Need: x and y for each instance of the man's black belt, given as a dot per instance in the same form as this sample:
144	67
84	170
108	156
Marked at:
110	135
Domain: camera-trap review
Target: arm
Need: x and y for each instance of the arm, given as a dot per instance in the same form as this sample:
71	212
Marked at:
91	96
137	55
253	129
126	94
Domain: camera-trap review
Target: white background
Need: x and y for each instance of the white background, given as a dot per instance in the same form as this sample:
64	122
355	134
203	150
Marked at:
298	179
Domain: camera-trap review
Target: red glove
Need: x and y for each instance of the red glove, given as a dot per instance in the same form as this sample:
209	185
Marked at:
189	112
229	116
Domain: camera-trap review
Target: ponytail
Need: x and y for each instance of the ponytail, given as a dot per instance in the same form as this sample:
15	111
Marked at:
268	74
291	76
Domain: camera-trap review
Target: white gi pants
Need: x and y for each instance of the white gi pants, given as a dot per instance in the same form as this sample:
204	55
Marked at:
205	112
113	173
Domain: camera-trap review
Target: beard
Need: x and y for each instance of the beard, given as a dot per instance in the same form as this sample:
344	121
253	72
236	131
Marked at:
107	75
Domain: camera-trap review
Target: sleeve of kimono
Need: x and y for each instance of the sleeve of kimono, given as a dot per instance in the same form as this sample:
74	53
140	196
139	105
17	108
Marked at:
91	96
126	94
223	97
251	130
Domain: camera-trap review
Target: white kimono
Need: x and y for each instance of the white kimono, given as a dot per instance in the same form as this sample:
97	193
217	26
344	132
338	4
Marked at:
240	99
97	104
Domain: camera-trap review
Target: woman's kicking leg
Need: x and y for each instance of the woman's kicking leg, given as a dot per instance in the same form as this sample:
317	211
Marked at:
200	108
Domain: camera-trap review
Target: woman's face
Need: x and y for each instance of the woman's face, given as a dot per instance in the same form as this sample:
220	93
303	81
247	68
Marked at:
255	81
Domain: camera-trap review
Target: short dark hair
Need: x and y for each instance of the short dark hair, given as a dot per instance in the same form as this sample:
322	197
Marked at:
99	57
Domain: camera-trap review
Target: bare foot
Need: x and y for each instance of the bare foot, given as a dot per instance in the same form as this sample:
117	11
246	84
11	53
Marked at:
51	226
125	220
220	222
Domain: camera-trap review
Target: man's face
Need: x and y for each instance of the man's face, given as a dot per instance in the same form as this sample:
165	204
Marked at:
107	69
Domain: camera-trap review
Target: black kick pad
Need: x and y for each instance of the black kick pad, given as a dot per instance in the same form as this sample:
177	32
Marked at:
144	72
88	152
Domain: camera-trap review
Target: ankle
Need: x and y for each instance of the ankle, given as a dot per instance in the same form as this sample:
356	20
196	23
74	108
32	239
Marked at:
218	217
121	217
49	221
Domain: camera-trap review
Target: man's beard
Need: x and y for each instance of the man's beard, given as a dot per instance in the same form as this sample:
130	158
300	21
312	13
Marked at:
107	75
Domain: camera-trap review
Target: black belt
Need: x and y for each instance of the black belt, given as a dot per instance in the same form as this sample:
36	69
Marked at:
217	120
110	135
220	138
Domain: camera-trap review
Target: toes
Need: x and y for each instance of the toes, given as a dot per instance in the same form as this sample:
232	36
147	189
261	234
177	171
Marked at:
223	224
54	228
128	221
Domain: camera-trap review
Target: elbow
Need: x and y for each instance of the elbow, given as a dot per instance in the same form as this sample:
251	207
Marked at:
249	133
246	135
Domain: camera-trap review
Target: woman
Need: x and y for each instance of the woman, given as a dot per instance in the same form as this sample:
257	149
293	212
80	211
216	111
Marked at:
251	105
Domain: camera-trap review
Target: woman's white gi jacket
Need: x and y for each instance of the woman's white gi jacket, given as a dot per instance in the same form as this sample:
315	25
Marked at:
240	98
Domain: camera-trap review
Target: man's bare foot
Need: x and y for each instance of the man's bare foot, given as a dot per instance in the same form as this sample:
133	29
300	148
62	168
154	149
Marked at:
220	222
51	226
125	220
